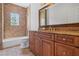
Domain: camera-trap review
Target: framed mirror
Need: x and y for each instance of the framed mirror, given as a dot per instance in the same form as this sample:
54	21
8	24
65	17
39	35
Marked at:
42	17
43	14
59	13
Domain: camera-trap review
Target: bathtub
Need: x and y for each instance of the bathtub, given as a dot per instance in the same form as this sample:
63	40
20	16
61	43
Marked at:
13	41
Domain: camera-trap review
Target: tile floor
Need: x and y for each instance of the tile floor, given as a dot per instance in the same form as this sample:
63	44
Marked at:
16	51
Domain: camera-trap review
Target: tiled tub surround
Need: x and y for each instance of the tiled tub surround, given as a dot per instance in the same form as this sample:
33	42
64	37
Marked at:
14	31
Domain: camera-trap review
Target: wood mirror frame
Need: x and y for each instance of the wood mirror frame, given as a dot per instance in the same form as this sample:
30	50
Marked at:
44	9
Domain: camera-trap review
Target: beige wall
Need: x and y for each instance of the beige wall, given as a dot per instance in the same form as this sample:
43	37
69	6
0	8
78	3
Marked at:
14	31
34	16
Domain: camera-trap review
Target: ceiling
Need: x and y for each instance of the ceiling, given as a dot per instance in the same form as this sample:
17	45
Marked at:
22	4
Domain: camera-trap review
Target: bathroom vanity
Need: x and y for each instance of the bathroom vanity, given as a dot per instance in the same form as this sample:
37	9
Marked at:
55	43
58	33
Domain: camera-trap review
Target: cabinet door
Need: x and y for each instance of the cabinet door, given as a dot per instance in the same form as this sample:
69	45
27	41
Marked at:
32	41
64	50
0	26
76	52
47	48
38	46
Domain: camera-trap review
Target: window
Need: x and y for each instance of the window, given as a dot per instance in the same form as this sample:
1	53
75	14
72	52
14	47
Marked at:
14	19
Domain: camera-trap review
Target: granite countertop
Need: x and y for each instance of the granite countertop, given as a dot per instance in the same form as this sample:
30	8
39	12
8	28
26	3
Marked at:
64	32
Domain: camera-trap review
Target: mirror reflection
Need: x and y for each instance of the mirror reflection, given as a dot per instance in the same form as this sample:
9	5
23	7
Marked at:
61	13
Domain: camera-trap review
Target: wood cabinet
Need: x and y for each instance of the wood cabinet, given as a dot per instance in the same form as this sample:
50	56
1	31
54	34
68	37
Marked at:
48	48
41	43
1	26
32	42
38	45
35	43
47	43
66	45
67	39
53	44
64	39
63	50
46	36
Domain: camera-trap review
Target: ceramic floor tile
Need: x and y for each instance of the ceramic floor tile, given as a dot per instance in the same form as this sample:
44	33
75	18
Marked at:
16	51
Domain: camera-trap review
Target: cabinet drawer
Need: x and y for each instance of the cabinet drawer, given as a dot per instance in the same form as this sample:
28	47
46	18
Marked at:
64	50
47	36
66	39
